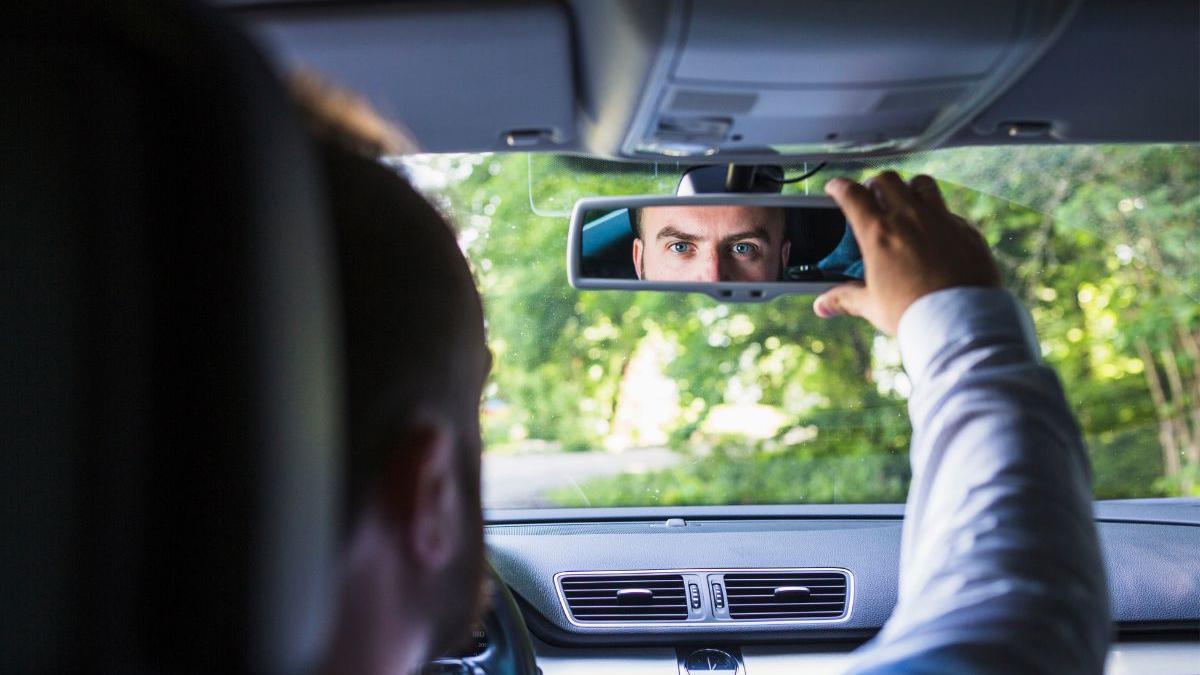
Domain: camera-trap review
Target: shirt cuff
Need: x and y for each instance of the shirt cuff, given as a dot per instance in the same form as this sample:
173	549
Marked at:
951	316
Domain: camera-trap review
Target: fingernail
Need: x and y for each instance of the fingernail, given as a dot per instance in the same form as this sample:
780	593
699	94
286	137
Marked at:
821	310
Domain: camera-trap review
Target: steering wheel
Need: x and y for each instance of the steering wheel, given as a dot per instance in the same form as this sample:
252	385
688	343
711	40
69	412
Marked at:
509	648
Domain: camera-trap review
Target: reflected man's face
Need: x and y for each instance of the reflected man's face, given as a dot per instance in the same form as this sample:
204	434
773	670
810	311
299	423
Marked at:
710	243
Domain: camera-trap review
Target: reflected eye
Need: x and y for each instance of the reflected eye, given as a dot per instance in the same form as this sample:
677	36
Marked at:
678	247
743	248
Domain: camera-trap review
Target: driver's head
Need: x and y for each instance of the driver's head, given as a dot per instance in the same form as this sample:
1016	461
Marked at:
416	360
710	243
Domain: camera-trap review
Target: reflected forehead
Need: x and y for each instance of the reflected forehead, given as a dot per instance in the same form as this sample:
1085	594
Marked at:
690	217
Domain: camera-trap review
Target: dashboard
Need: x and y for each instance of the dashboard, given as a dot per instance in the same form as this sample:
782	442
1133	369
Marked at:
1180	657
786	569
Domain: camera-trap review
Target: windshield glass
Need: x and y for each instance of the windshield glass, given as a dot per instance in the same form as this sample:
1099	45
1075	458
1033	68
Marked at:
604	398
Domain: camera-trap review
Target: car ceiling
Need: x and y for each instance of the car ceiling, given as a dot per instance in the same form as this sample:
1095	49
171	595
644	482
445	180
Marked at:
628	79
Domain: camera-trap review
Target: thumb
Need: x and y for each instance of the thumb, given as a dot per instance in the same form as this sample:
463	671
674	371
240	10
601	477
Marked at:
847	299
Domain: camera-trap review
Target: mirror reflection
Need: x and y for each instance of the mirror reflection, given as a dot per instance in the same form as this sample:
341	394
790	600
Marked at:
719	242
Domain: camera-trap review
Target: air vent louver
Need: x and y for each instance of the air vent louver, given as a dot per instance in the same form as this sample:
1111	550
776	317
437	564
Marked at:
625	598
782	596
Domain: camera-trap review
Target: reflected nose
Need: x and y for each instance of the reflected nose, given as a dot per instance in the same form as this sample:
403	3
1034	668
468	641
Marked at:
712	268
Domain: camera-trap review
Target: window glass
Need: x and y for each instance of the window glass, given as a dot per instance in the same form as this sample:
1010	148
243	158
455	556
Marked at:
606	398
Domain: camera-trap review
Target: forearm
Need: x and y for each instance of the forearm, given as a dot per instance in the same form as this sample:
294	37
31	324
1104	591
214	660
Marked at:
1000	564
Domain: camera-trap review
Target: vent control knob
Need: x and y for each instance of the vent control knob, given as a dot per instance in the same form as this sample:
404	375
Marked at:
718	595
694	594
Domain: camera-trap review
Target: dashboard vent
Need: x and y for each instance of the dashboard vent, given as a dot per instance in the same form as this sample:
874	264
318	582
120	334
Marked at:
782	596
625	597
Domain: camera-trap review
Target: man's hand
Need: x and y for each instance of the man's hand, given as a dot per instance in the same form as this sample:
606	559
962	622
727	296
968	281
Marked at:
911	246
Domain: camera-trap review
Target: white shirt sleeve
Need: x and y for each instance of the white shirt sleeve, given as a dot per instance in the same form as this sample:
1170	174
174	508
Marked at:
1000	568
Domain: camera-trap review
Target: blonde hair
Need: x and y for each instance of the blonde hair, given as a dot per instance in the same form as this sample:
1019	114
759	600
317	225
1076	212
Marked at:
343	117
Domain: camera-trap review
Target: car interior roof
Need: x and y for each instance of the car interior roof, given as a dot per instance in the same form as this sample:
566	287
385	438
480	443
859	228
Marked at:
577	77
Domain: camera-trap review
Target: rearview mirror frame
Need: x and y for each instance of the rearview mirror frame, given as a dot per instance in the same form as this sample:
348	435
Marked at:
724	291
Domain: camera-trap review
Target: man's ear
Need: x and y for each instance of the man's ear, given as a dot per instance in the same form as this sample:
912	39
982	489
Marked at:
424	497
637	256
786	250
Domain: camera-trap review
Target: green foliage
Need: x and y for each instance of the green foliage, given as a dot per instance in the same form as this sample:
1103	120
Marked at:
1100	243
734	472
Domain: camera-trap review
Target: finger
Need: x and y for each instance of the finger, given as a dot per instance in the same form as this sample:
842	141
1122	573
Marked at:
848	299
978	237
968	227
926	189
975	231
858	203
891	190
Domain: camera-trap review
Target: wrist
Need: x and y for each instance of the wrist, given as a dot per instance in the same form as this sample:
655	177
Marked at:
950	316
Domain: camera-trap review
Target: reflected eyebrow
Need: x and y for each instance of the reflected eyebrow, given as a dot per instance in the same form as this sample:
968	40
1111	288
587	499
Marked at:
756	232
676	233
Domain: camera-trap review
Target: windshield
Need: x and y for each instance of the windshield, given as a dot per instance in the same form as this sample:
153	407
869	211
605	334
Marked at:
604	398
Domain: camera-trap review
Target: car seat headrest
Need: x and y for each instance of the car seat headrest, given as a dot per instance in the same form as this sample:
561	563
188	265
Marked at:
171	355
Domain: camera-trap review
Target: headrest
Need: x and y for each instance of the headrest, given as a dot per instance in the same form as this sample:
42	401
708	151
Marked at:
170	354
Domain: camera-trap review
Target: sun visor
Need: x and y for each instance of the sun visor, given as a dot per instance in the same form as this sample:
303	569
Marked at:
460	77
831	79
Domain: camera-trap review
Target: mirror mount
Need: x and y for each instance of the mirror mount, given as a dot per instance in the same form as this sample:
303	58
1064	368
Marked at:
731	179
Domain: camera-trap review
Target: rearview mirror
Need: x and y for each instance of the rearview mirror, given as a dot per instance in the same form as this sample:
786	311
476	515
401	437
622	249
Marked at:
734	247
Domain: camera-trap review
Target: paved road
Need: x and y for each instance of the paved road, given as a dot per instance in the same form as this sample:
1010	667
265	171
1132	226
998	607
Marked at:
521	480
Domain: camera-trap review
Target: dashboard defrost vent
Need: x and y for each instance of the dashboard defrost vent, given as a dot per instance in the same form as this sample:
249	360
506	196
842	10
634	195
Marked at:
786	595
625	598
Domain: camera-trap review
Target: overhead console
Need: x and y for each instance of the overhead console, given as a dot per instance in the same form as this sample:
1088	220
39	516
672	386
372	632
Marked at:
830	78
712	81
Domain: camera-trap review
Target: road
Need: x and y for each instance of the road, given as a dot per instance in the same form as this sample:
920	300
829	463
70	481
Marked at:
521	480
